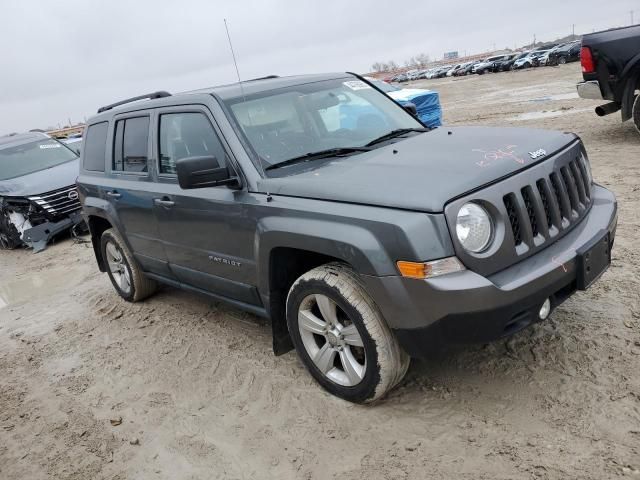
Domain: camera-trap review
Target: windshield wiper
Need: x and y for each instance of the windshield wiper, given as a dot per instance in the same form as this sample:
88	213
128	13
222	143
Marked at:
395	133
329	152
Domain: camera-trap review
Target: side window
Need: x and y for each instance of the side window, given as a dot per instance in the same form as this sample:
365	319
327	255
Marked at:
185	135
130	145
95	146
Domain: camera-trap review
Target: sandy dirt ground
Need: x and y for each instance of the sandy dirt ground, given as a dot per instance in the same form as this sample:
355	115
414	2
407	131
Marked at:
179	387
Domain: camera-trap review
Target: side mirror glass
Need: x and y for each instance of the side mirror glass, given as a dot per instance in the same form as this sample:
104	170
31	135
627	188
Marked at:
201	172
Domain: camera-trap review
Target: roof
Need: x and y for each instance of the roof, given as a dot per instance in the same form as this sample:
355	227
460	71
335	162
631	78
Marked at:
225	92
249	87
21	138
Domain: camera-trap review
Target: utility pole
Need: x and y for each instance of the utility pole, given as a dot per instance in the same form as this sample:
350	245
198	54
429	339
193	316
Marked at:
534	41
631	14
573	30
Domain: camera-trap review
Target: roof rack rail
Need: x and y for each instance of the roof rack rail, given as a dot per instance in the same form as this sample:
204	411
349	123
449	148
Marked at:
150	96
268	77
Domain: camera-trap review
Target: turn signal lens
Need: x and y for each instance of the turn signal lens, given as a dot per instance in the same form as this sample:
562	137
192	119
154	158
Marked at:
435	268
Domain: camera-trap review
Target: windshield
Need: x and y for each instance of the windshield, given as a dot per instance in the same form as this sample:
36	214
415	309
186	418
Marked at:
289	122
384	86
32	157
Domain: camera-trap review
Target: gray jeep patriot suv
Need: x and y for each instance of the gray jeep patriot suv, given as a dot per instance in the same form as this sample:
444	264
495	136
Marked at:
320	203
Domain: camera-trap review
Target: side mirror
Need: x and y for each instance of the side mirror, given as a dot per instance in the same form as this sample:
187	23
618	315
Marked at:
200	172
411	108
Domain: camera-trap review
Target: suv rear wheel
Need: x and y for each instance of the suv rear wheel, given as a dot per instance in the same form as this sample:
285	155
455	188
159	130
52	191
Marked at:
562	60
341	336
125	273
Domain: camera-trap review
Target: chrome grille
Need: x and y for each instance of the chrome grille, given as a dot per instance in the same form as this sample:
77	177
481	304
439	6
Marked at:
58	202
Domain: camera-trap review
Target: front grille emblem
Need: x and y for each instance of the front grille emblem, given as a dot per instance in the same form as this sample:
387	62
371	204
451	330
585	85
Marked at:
72	195
538	153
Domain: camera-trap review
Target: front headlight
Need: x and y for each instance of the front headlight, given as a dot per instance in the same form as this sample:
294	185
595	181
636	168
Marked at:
474	227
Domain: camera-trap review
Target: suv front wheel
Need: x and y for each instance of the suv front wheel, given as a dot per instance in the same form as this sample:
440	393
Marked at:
126	275
341	336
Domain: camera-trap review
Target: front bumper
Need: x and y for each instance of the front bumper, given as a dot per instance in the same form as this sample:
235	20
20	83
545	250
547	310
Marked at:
465	307
590	90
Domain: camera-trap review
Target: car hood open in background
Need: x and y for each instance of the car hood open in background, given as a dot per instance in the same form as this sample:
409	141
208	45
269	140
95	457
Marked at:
43	181
423	172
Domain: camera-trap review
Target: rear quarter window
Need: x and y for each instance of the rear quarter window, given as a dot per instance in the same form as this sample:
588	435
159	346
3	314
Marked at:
93	157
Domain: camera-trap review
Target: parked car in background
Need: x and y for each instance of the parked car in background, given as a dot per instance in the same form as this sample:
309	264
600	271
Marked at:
462	70
362	236
452	71
528	61
499	65
466	70
488	65
564	54
38	196
611	71
508	63
538	57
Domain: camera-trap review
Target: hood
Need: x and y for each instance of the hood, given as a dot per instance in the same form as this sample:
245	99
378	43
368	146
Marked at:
422	172
42	181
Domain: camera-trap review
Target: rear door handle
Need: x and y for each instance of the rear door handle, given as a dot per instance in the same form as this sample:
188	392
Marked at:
164	202
114	194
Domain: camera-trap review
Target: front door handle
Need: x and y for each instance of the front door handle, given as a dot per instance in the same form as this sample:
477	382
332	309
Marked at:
164	202
114	194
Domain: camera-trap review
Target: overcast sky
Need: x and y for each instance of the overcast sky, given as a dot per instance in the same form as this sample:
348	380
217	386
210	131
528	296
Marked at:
62	59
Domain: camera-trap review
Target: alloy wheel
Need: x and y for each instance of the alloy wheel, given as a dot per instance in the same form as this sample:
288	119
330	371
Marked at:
331	340
118	267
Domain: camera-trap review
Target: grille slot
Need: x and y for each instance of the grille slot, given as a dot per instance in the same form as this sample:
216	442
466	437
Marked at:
572	189
577	175
527	196
545	202
514	220
58	202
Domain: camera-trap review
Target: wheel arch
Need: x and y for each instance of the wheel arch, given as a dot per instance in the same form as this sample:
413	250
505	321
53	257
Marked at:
286	248
97	226
631	81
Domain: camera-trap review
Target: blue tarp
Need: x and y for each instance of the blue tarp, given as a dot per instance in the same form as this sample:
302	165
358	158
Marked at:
427	104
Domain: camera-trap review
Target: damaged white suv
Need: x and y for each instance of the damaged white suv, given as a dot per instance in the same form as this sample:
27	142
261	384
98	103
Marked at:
38	196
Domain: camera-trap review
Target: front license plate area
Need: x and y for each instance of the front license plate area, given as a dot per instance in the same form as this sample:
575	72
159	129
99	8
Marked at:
593	260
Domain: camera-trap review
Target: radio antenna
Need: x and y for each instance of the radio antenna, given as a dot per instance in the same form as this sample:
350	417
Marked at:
233	54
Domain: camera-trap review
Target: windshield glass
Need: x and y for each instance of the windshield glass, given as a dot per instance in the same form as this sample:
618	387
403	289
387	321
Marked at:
289	122
32	157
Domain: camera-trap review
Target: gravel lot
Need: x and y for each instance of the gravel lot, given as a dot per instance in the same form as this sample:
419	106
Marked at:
179	387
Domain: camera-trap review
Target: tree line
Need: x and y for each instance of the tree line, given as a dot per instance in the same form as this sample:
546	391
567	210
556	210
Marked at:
417	61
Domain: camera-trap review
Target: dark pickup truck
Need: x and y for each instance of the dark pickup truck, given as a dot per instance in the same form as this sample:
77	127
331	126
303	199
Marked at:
611	70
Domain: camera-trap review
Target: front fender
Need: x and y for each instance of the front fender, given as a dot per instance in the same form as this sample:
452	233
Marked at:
370	239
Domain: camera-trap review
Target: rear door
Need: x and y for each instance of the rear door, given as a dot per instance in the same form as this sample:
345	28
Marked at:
131	189
207	233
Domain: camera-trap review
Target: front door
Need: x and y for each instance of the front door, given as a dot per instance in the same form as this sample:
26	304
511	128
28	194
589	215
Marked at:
206	233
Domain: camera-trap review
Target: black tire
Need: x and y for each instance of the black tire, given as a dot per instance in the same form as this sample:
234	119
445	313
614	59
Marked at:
635	113
140	286
383	362
9	235
562	60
